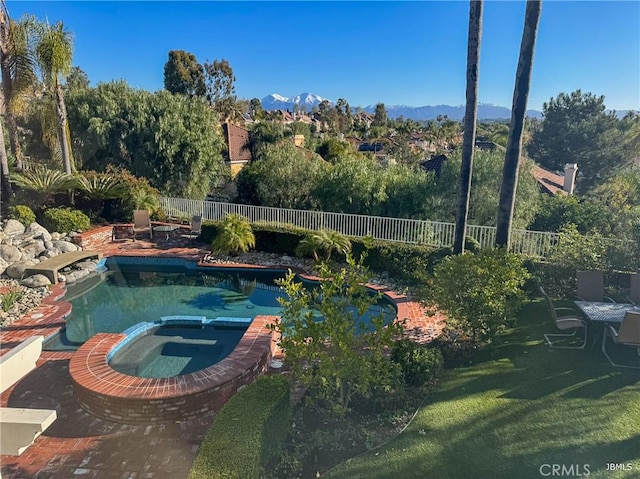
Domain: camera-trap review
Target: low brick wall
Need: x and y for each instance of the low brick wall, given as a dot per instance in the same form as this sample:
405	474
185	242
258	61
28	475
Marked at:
117	397
91	239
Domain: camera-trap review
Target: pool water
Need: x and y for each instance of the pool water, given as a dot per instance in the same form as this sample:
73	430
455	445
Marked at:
168	351
129	293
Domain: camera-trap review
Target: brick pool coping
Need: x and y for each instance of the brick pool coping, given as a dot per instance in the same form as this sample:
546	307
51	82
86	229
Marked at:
127	399
118	397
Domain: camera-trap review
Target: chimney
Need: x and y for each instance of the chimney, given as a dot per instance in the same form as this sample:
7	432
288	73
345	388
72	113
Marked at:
298	140
570	170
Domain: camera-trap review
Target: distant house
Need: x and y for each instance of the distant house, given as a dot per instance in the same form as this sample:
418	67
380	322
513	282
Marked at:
553	183
238	154
434	164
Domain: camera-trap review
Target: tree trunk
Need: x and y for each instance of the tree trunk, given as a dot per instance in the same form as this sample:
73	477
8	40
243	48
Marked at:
12	127
61	110
518	112
5	186
471	110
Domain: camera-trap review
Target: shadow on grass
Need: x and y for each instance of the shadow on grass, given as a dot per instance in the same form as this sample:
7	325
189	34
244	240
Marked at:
519	406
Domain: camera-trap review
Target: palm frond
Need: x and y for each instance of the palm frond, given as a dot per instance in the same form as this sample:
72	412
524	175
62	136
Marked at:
45	181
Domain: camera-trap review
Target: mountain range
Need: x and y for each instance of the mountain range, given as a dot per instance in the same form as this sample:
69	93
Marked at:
486	111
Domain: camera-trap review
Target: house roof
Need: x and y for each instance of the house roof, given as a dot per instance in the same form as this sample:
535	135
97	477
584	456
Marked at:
549	182
237	138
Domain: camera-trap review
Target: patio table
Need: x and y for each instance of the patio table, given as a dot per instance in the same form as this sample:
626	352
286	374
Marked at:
165	229
602	313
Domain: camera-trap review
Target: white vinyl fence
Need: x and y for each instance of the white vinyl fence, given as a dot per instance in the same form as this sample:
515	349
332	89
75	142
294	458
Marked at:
432	233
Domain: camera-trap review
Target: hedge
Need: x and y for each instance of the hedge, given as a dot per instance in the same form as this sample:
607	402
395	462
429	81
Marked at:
409	262
246	433
65	220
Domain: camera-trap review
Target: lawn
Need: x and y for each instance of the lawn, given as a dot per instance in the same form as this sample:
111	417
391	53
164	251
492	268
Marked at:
517	411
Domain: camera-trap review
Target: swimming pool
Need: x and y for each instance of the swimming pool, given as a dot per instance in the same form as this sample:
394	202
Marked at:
136	290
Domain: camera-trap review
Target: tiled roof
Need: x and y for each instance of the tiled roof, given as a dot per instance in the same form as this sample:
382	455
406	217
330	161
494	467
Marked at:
551	183
237	137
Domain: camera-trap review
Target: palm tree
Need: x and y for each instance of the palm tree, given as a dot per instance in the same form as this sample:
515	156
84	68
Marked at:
17	66
471	110
54	52
234	235
518	111
324	240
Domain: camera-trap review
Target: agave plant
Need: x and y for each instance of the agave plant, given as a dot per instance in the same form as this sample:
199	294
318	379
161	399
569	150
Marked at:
327	241
234	235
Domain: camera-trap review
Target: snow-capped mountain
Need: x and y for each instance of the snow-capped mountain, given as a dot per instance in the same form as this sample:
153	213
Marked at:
486	111
279	102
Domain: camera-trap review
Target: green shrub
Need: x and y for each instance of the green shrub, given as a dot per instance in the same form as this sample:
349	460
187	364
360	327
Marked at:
246	433
480	293
22	213
457	347
234	235
420	365
64	220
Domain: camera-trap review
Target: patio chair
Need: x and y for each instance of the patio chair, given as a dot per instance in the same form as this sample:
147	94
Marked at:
591	286
628	335
141	223
634	288
196	228
564	319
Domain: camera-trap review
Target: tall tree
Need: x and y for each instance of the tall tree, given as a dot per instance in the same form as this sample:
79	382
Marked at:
518	112
380	116
221	91
17	65
54	52
77	80
183	74
576	128
471	110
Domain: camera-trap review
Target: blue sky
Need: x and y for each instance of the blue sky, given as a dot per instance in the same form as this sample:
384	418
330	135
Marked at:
411	53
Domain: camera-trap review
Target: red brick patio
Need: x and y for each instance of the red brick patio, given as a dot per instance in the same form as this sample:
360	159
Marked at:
79	445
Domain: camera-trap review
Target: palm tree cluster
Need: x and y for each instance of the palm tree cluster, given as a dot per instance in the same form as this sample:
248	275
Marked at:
35	58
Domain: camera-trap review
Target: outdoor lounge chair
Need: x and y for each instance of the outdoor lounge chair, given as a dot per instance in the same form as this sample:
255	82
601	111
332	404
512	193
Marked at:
564	319
141	223
591	286
628	335
196	227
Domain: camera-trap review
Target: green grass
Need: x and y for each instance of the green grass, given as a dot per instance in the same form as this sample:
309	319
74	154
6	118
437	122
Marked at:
519	406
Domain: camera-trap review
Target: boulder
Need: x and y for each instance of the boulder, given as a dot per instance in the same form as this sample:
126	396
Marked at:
16	270
10	253
38	231
87	265
50	253
13	227
36	281
32	249
55	236
3	265
65	246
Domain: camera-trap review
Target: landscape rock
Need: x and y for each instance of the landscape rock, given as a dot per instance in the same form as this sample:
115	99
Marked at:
55	236
87	265
32	249
38	231
36	281
3	265
16	270
65	246
10	253
13	227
